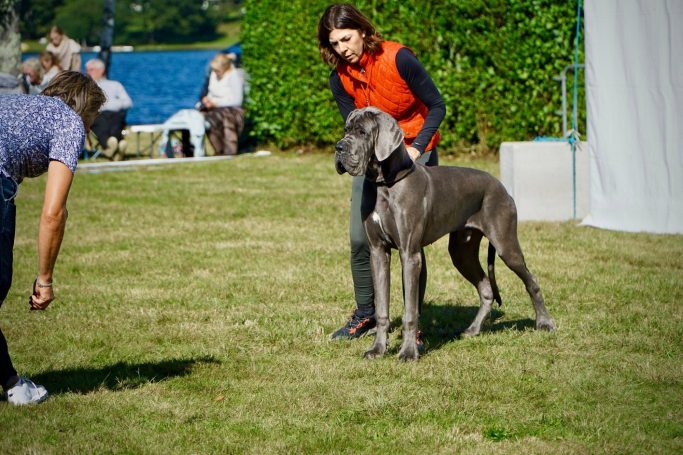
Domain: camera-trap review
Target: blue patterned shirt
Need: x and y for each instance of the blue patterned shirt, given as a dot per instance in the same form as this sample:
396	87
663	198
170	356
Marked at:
35	129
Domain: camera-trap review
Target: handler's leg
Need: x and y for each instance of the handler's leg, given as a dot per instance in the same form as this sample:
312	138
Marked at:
19	390
8	374
363	318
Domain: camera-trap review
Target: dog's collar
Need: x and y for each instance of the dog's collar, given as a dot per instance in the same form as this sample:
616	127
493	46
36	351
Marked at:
400	175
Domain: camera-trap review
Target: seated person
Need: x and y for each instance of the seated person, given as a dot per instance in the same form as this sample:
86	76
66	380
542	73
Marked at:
50	65
111	121
67	51
32	76
221	105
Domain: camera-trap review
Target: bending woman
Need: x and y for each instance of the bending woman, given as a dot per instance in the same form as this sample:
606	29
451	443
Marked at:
38	134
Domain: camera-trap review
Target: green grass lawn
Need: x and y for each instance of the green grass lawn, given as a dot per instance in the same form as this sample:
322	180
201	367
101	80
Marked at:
195	302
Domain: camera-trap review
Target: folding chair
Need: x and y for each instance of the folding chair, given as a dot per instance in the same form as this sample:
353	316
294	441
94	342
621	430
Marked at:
92	147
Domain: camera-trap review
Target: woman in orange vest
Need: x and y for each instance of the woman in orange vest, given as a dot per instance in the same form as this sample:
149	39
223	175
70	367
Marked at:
370	71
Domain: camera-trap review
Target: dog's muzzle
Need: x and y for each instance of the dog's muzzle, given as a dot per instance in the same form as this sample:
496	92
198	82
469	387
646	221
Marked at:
339	151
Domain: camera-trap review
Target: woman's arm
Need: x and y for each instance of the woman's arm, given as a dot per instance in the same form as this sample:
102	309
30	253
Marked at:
51	230
345	102
424	89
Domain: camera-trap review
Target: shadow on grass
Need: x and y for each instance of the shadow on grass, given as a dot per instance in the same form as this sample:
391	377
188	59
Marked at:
119	376
442	324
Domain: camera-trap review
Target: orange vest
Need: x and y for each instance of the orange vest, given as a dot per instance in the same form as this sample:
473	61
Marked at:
375	81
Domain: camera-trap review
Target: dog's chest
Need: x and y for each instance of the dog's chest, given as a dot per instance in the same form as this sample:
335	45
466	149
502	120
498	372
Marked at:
381	224
378	228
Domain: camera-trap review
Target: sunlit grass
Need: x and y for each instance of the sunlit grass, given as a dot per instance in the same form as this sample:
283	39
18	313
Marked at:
195	303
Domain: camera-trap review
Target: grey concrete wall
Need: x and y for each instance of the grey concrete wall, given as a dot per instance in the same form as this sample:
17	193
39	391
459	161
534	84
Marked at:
538	176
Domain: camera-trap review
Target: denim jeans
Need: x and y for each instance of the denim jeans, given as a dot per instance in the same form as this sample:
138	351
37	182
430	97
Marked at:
360	250
8	190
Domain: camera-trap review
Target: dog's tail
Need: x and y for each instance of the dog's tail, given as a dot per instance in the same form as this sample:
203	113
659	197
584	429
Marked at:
492	274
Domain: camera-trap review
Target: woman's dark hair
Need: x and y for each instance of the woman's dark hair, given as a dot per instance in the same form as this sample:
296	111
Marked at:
345	16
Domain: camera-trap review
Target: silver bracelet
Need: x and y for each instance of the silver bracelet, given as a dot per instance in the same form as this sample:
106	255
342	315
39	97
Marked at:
38	284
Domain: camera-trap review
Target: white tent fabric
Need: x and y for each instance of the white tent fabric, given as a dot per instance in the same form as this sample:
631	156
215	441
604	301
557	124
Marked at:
634	96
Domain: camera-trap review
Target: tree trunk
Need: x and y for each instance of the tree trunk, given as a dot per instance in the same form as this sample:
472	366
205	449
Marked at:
10	50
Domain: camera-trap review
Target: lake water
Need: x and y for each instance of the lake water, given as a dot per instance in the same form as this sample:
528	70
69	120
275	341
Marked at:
159	82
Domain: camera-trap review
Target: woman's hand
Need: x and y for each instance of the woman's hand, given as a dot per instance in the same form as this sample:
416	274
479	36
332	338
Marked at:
42	295
413	152
51	231
208	103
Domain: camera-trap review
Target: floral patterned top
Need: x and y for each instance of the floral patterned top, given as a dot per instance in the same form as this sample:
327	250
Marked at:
35	129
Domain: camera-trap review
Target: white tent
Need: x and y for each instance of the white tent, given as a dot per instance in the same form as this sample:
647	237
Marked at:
634	93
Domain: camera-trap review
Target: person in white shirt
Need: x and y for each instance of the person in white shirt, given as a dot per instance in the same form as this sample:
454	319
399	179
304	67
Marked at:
110	123
67	51
222	105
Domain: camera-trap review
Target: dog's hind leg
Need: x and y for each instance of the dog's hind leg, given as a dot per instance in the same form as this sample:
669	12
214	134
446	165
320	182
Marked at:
463	247
511	254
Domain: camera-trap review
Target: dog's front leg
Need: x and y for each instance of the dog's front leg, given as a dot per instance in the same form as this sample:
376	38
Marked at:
412	265
380	259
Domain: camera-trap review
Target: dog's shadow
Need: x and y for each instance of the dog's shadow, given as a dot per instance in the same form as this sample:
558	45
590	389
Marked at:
118	376
444	323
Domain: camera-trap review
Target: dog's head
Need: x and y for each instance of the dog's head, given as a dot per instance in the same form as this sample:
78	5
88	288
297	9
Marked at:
370	137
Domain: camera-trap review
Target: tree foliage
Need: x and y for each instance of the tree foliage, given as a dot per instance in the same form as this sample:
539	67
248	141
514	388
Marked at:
493	61
137	22
37	16
160	21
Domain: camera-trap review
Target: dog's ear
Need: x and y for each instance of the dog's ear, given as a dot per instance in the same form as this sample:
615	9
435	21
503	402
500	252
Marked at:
389	136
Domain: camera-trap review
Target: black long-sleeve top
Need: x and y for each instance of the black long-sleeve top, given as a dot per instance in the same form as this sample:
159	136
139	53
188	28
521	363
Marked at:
420	84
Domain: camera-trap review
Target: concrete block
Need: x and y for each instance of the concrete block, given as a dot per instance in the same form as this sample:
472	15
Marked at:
538	176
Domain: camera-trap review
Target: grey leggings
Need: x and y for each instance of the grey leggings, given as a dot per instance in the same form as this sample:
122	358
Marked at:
360	250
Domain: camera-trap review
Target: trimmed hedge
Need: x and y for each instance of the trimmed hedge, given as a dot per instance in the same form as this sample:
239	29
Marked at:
494	62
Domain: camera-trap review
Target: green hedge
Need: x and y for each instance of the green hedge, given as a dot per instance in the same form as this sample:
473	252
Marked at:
494	62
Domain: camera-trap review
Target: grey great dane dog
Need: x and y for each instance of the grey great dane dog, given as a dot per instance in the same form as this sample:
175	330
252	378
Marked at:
415	206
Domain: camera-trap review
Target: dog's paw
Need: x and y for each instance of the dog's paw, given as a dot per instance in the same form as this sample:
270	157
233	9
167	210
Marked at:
373	353
470	332
409	353
547	325
377	350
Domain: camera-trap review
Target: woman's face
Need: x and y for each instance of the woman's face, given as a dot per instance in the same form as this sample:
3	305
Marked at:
347	43
88	119
55	38
219	70
31	75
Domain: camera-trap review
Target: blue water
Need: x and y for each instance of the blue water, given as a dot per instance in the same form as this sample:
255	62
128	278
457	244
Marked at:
159	82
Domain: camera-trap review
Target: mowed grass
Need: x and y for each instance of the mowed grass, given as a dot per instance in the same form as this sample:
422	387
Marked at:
195	302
